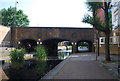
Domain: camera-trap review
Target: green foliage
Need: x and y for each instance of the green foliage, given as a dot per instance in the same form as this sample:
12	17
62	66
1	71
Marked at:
112	61
94	19
12	18
89	19
41	53
93	6
83	44
102	26
17	56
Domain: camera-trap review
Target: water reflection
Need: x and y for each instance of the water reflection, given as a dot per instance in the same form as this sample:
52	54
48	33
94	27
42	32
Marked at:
84	49
32	70
64	49
41	67
63	54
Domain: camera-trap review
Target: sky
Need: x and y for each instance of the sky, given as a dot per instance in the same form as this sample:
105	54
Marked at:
51	13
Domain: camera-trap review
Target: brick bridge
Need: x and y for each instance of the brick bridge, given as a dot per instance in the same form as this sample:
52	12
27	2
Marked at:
51	36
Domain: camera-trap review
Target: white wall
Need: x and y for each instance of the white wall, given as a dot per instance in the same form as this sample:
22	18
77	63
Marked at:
5	34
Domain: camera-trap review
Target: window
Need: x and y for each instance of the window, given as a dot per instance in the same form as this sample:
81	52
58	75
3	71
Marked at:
113	40
115	5
102	40
118	39
115	21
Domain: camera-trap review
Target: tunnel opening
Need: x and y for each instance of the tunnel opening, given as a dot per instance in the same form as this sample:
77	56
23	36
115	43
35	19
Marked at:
84	46
28	44
64	49
65	45
52	46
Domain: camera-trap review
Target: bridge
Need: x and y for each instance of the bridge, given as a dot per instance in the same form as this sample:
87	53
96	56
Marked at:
51	36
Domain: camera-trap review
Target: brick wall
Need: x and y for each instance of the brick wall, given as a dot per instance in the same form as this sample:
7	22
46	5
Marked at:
100	14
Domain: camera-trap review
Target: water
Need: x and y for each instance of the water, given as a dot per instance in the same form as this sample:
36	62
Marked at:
0	64
83	49
32	70
63	54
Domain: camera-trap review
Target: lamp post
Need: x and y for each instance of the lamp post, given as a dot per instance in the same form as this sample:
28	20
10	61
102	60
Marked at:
98	43
14	24
15	13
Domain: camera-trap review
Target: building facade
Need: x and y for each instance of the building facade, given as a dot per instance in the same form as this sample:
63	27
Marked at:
115	34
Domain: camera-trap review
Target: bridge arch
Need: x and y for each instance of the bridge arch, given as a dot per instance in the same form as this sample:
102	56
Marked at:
84	46
56	34
28	44
52	45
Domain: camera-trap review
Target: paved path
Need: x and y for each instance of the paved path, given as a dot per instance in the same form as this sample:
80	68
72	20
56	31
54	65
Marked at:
83	70
79	66
2	75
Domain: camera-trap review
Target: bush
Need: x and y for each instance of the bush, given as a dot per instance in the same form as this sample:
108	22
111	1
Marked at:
41	53
17	56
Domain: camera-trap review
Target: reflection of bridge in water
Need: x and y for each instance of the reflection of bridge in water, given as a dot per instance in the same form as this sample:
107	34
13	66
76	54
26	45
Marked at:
51	36
63	54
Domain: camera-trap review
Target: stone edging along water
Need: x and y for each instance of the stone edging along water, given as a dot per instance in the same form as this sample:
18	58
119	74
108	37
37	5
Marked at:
55	70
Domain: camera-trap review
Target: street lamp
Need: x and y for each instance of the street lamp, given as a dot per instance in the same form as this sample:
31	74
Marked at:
72	43
15	13
40	42
75	43
16	4
19	42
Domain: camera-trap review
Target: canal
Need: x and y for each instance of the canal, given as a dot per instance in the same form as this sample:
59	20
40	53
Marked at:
34	70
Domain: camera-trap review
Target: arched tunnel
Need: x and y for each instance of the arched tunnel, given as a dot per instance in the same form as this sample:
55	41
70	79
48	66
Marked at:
28	44
84	46
52	45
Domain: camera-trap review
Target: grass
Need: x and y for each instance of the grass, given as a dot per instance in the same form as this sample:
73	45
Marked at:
104	61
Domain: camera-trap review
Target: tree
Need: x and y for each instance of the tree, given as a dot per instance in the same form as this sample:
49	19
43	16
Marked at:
107	29
106	26
13	18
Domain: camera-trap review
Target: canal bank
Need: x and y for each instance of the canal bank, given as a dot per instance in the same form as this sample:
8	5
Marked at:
81	66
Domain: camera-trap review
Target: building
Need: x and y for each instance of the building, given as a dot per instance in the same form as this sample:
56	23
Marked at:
115	35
